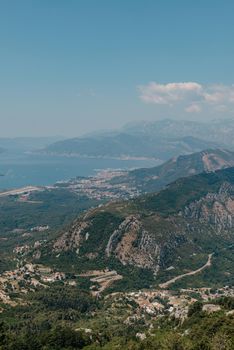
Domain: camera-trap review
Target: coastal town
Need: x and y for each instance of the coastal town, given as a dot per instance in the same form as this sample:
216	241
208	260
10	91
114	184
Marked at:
101	186
98	187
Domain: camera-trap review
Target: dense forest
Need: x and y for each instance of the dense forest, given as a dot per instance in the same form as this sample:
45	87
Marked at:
57	318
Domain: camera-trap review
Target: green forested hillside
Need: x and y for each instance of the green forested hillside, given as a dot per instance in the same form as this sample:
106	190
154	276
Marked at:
58	321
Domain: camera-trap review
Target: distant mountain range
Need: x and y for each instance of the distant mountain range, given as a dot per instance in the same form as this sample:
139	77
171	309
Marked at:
160	140
154	179
219	131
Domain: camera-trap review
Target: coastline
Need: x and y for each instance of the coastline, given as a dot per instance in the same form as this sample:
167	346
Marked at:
86	156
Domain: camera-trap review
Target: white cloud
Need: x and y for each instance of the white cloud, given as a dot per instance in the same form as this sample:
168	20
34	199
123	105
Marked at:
219	94
192	95
167	93
193	108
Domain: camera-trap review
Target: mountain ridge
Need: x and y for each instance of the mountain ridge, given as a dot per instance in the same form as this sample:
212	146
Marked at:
161	139
152	231
123	145
155	178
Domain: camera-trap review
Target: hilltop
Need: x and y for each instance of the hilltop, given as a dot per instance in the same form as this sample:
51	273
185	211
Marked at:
155	178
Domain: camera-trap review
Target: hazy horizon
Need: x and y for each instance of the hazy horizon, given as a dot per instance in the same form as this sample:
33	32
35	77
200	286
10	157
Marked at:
114	129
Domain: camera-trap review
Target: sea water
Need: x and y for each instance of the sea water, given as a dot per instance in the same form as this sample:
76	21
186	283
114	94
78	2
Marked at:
18	169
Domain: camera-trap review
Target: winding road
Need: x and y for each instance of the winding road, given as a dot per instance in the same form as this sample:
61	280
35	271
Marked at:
191	273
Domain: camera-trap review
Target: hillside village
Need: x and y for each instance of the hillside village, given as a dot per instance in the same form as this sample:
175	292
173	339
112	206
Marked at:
29	278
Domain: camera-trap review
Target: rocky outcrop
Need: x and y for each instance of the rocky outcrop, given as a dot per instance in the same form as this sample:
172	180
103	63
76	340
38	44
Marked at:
213	161
72	238
130	224
132	244
216	209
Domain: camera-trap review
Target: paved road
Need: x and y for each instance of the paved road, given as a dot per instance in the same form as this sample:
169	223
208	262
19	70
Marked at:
191	273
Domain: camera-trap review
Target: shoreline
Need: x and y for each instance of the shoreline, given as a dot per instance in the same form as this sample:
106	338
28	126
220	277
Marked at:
77	155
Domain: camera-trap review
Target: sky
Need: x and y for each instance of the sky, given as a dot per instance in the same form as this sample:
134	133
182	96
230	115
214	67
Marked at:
68	67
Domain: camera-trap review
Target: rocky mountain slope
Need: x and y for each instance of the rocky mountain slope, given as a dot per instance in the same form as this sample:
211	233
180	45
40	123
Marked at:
219	131
155	178
167	233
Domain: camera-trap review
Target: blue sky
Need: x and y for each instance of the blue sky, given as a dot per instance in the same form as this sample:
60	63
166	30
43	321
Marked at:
72	66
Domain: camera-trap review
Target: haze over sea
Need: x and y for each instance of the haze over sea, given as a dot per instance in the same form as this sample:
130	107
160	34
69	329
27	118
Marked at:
20	169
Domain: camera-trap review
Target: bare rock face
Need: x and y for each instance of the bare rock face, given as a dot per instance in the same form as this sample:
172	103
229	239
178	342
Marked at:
129	224
216	209
213	161
132	244
71	239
